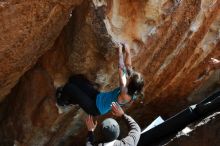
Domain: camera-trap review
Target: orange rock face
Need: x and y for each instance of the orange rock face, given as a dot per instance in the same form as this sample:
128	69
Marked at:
28	30
171	43
171	39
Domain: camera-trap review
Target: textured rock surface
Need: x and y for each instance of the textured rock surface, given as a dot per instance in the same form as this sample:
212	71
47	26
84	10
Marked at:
171	43
28	30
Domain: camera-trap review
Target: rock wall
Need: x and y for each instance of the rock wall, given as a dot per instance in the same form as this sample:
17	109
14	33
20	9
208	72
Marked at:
171	43
172	39
28	30
34	118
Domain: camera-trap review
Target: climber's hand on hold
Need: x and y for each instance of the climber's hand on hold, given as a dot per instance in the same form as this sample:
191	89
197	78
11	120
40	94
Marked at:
120	47
127	49
117	110
90	124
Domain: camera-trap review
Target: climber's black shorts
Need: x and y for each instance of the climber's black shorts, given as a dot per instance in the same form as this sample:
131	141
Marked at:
80	91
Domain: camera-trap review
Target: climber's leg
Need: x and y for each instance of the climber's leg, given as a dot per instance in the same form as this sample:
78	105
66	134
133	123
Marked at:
75	95
85	85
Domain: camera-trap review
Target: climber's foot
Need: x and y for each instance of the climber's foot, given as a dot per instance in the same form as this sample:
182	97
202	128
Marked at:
66	108
62	99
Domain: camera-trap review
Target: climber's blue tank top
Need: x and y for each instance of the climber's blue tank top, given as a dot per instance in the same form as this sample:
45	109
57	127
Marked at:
105	99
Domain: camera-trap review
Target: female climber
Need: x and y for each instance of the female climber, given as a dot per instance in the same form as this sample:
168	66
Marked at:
80	91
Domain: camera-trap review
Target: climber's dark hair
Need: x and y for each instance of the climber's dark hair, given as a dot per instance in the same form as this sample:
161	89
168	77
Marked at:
135	84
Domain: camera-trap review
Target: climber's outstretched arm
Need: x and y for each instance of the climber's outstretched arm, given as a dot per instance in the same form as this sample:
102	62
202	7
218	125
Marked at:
128	63
121	63
121	69
127	57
